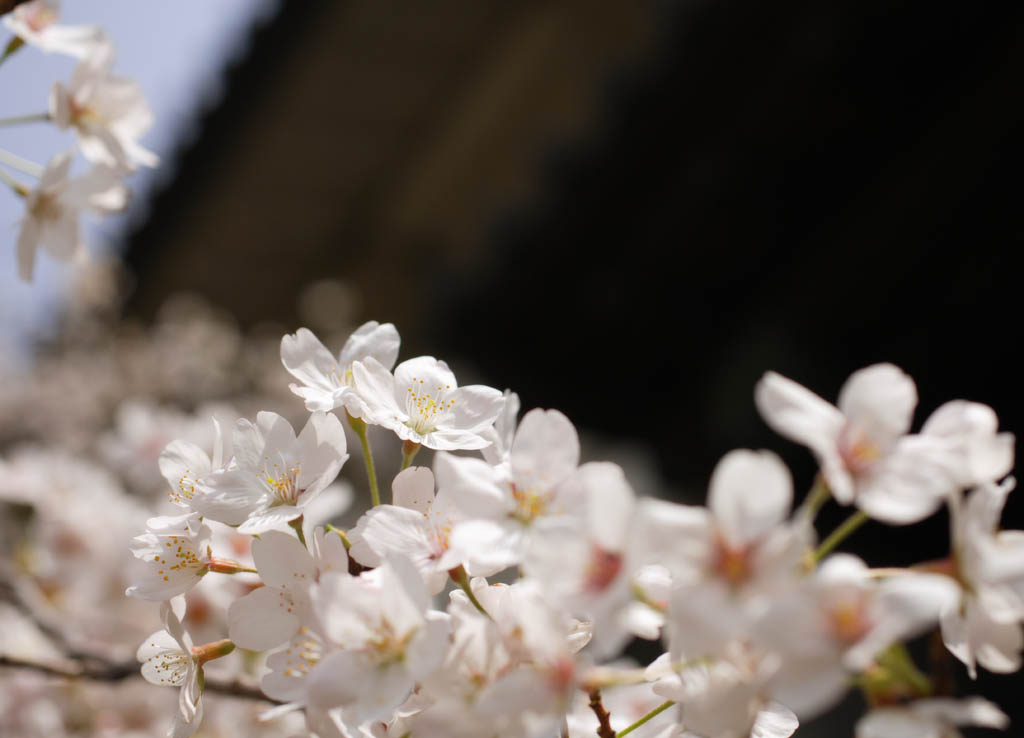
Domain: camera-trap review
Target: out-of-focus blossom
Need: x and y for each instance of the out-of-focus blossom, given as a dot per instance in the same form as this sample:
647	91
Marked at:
52	210
108	114
931	718
984	625
866	455
35	23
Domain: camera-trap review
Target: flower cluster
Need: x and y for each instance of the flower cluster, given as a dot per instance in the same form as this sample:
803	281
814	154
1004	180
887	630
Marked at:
493	594
108	115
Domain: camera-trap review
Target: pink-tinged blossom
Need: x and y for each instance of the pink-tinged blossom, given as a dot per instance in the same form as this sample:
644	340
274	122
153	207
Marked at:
327	382
833	624
175	551
502	503
418	526
422	403
585	564
743	552
939	717
866	455
35	23
984	626
275	474
52	210
108	114
167	660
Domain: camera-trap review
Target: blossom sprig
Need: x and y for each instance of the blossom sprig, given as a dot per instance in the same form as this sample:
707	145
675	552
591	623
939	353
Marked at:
762	625
108	114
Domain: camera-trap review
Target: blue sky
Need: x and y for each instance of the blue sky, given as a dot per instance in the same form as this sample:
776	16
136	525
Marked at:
177	51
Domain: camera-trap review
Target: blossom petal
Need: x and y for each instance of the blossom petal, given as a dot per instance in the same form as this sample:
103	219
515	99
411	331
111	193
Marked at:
750	494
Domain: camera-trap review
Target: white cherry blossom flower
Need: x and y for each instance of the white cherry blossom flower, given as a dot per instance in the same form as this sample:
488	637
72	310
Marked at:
835	623
728	698
185	465
422	403
930	718
274	474
418	525
585	564
52	210
383	638
108	114
176	553
501	503
742	554
270	615
865	454
167	660
326	382
35	23
984	626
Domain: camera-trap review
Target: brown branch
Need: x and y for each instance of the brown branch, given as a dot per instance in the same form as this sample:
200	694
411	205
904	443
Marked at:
102	671
604	728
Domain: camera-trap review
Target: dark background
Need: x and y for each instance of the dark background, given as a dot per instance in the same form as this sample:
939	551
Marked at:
630	211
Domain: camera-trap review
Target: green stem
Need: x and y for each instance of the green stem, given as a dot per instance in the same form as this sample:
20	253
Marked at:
24	165
649	716
459	576
409	451
341	534
816	499
19	119
837	536
359	426
296	525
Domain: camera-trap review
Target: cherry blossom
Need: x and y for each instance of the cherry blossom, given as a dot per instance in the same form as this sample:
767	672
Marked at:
108	114
422	403
167	660
52	210
176	553
275	474
984	627
500	503
35	23
866	455
930	718
418	525
326	382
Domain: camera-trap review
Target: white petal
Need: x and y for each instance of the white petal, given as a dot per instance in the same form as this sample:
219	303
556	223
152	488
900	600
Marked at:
546	449
309	361
774	720
282	560
374	339
262	619
413	488
879	400
751	493
797	413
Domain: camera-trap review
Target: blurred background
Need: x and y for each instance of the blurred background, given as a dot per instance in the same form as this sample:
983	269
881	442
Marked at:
628	211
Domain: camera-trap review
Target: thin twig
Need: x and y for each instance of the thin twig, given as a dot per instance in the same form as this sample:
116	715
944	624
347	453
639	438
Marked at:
604	718
98	670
